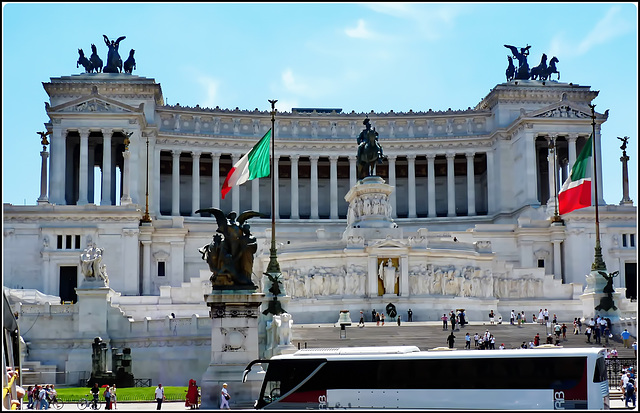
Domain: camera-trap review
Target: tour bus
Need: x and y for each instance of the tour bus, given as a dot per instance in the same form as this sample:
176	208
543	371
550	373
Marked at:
10	355
403	377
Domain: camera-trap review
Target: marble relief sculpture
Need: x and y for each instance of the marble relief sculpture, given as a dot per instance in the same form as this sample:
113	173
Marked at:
91	265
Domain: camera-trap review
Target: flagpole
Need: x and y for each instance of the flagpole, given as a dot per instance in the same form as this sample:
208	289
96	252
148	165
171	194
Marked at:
598	263
273	267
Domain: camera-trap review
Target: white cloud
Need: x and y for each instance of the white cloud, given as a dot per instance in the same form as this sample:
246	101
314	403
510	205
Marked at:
609	27
360	32
210	87
306	87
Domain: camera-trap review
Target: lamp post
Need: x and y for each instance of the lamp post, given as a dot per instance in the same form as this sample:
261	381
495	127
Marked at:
554	150
146	219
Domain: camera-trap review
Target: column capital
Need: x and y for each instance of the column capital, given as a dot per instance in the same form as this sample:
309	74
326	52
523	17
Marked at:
84	132
176	153
215	156
196	154
450	155
411	156
392	158
314	158
294	157
107	132
333	158
431	156
470	155
572	137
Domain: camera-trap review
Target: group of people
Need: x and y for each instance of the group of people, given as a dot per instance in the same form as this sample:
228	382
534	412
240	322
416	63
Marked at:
628	385
41	396
484	341
455	317
109	395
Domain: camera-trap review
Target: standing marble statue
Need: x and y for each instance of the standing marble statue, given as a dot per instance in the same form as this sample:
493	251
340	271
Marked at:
388	275
91	265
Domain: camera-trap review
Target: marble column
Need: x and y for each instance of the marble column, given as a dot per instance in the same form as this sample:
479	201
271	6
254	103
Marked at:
471	187
58	162
215	180
154	183
353	177
126	174
431	185
557	260
92	163
175	183
571	143
403	288
451	186
491	184
551	169
333	186
43	199
295	211
83	173
195	182
314	186
235	190
146	265
255	194
392	182
106	167
412	185
531	176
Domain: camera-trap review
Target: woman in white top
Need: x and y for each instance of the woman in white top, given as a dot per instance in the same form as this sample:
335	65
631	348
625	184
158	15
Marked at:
224	397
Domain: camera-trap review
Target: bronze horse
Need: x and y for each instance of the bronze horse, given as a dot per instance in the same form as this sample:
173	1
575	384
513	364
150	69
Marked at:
511	70
540	71
368	155
82	60
552	69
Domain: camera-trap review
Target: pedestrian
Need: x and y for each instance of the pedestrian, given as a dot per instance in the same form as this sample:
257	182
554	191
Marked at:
409	315
513	318
476	338
224	397
533	318
635	349
467	341
30	397
451	340
546	316
373	315
555	319
499	319
596	334
625	338
579	325
462	318
107	398
377	319
587	333
536	340
549	339
361	322
541	316
491	317
444	321
564	331
160	397
382	318
42	396
398	320
501	347
607	334
492	342
575	326
557	329
614	353
630	393
453	321
112	390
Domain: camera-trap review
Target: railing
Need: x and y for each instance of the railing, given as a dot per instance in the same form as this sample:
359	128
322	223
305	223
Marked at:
614	369
141	382
59	378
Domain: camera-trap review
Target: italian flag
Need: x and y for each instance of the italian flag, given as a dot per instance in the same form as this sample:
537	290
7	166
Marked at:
255	164
576	190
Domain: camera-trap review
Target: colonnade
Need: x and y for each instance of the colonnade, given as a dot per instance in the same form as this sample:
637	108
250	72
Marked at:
330	199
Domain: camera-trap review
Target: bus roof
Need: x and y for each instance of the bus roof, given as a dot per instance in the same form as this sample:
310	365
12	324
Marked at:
413	352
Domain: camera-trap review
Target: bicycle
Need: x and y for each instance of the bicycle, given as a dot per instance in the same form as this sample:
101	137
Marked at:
57	404
93	404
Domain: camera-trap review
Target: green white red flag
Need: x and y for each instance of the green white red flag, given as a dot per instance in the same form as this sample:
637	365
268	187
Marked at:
255	164
576	190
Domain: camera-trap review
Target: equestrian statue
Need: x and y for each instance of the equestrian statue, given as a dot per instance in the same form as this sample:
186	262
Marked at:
369	151
540	72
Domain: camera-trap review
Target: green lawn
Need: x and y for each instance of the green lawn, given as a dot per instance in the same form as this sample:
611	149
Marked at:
132	394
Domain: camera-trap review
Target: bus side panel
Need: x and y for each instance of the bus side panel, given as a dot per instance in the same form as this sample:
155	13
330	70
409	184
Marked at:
574	398
508	399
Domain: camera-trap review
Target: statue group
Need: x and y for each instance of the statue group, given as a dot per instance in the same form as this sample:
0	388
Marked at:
114	61
230	253
540	72
369	151
91	265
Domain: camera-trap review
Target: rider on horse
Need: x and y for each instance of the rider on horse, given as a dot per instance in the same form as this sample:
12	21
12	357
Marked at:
364	138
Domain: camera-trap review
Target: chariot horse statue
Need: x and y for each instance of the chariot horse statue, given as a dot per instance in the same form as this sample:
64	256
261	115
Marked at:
369	151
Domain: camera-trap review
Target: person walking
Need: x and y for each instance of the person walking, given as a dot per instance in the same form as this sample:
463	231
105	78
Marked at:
557	329
373	315
536	340
453	321
630	393
596	334
512	319
626	338
382	319
587	333
467	341
112	390
575	326
444	321
361	322
160	397
564	331
224	397
491	317
107	398
398	320
451	340
409	315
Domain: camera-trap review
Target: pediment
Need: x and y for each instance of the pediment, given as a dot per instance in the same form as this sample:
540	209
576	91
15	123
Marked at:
94	103
563	109
389	243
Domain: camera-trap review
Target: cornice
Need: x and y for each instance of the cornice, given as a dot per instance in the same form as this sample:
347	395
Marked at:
537	92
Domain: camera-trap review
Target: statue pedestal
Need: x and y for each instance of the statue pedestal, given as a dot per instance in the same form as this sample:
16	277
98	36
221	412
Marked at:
369	214
234	344
592	296
93	304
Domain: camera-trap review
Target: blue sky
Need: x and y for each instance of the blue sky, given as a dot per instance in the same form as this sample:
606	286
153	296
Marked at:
355	56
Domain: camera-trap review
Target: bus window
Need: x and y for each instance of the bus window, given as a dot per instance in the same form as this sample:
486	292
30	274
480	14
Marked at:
600	372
